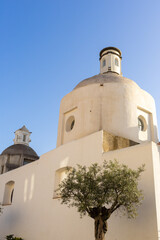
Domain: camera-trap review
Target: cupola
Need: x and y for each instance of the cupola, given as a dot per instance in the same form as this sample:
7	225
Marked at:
110	60
19	153
22	136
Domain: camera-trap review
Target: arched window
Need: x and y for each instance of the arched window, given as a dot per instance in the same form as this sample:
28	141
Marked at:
142	125
8	193
60	175
104	63
116	62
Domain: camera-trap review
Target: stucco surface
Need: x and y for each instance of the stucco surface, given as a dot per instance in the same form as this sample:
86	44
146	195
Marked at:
105	78
107	102
35	215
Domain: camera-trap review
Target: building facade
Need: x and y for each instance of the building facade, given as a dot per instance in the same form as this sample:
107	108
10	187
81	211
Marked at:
106	117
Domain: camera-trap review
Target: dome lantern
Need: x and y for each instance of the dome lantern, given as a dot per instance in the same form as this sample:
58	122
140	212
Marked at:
22	136
110	60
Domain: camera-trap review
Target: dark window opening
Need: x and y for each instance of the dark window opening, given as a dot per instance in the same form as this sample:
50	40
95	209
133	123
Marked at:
26	161
72	124
140	124
12	195
24	138
2	168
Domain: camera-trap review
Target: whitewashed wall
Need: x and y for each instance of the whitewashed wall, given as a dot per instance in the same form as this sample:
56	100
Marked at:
35	215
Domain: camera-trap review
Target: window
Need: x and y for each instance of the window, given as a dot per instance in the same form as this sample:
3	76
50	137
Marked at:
116	62
8	193
104	63
70	123
60	175
12	195
2	169
24	138
26	161
142	125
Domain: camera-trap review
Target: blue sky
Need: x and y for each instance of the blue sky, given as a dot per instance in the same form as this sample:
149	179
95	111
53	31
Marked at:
47	47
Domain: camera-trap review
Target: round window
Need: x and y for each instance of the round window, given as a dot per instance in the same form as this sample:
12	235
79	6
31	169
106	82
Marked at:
70	123
142	125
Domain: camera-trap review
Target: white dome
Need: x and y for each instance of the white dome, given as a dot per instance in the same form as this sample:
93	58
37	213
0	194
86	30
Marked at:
107	102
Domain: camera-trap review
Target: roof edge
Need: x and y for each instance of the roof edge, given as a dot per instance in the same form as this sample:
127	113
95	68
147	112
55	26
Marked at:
110	48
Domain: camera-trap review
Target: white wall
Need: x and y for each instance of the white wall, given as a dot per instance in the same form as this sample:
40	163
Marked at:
35	215
156	168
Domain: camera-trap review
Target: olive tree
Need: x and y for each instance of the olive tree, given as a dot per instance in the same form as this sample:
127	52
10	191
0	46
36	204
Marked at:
101	190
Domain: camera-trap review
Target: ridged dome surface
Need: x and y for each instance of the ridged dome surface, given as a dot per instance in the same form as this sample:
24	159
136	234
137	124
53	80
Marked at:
19	149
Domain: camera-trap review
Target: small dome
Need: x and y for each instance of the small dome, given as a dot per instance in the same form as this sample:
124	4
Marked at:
110	49
104	78
19	149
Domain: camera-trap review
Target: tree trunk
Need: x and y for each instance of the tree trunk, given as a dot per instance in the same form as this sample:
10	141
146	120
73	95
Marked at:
100	228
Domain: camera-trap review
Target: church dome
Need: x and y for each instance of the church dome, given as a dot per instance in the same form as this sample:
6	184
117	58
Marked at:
109	77
107	102
20	149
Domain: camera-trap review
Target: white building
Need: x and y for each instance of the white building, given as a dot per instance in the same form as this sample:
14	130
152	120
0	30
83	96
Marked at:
106	116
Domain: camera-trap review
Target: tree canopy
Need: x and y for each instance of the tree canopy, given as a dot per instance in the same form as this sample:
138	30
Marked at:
100	190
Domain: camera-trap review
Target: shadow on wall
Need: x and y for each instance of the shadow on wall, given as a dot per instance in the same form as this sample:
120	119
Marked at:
112	142
140	132
11	217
